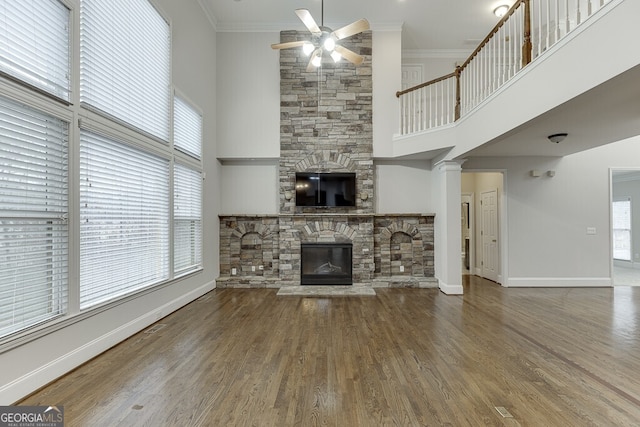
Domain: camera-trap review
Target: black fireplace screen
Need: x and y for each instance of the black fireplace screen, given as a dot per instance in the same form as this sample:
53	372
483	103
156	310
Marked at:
325	264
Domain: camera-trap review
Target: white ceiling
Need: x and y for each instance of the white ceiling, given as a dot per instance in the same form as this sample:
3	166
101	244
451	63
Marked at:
426	24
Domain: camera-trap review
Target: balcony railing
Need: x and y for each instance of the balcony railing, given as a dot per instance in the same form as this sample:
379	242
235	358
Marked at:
529	28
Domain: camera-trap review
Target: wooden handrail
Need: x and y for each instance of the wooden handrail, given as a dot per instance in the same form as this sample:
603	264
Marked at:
421	85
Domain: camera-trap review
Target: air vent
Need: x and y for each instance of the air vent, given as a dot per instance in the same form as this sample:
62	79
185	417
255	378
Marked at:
503	411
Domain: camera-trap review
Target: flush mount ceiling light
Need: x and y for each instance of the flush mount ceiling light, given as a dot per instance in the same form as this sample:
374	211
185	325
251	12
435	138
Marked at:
501	10
557	137
324	39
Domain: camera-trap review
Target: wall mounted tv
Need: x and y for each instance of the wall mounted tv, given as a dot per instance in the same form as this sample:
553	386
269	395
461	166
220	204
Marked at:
330	189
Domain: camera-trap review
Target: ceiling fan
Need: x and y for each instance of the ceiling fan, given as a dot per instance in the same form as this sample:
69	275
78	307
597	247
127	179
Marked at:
324	39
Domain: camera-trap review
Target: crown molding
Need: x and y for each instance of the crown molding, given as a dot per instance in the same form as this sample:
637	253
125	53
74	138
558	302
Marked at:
208	12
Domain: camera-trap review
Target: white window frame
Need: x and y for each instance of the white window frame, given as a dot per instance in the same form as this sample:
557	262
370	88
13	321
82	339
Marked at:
34	201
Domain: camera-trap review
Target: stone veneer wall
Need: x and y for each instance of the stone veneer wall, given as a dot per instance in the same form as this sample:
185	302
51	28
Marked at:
326	120
326	126
381	243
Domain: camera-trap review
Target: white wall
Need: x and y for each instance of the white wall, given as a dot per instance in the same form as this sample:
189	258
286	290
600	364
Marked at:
248	101
548	217
34	364
387	80
249	187
435	64
403	186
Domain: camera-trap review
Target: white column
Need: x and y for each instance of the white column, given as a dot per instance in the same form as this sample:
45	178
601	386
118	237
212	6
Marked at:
448	233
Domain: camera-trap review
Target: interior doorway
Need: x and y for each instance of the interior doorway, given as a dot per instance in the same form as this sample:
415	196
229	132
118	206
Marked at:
625	227
483	231
466	222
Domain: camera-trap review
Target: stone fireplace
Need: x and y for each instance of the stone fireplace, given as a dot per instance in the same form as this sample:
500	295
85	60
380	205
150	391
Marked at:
326	126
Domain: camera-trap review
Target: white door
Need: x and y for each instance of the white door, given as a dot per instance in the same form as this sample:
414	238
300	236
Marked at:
411	76
489	232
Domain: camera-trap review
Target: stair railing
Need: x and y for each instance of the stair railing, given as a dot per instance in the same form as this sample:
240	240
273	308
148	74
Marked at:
524	33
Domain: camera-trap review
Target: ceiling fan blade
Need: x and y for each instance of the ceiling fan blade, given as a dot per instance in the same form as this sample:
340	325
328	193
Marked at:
308	21
287	45
351	29
349	55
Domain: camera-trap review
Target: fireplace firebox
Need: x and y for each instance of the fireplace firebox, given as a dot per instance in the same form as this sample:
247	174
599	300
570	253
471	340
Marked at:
326	264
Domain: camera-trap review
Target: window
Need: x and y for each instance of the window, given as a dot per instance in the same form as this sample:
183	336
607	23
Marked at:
33	212
34	44
187	220
187	128
187	192
124	219
622	230
125	63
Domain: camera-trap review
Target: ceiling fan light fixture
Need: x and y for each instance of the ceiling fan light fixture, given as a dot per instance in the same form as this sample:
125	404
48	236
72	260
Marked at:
317	58
336	56
329	44
307	48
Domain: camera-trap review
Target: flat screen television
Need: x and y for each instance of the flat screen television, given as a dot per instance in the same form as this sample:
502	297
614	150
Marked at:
325	189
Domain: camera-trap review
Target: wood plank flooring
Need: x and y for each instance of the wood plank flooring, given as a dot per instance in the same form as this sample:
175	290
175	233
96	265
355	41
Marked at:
406	357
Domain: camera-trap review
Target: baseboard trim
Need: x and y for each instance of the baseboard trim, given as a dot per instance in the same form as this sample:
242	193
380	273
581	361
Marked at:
450	289
560	282
32	381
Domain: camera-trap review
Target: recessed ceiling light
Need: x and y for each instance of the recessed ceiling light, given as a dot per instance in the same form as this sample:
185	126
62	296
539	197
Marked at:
501	10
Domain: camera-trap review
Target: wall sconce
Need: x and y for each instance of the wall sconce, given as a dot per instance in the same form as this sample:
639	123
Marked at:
557	137
364	196
501	10
288	195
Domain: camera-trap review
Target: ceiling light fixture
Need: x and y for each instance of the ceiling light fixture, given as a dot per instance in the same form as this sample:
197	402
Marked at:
501	10
557	137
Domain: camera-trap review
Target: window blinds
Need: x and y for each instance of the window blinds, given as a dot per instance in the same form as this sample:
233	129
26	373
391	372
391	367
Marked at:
33	211
125	63
187	240
34	44
124	219
187	128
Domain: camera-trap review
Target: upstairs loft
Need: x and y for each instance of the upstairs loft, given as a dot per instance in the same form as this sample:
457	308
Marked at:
581	78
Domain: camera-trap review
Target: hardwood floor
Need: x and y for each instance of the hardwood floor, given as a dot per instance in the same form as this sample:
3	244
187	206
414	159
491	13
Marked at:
407	357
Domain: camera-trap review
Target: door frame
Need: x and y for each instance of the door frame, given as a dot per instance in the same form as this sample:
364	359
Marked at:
503	204
470	199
